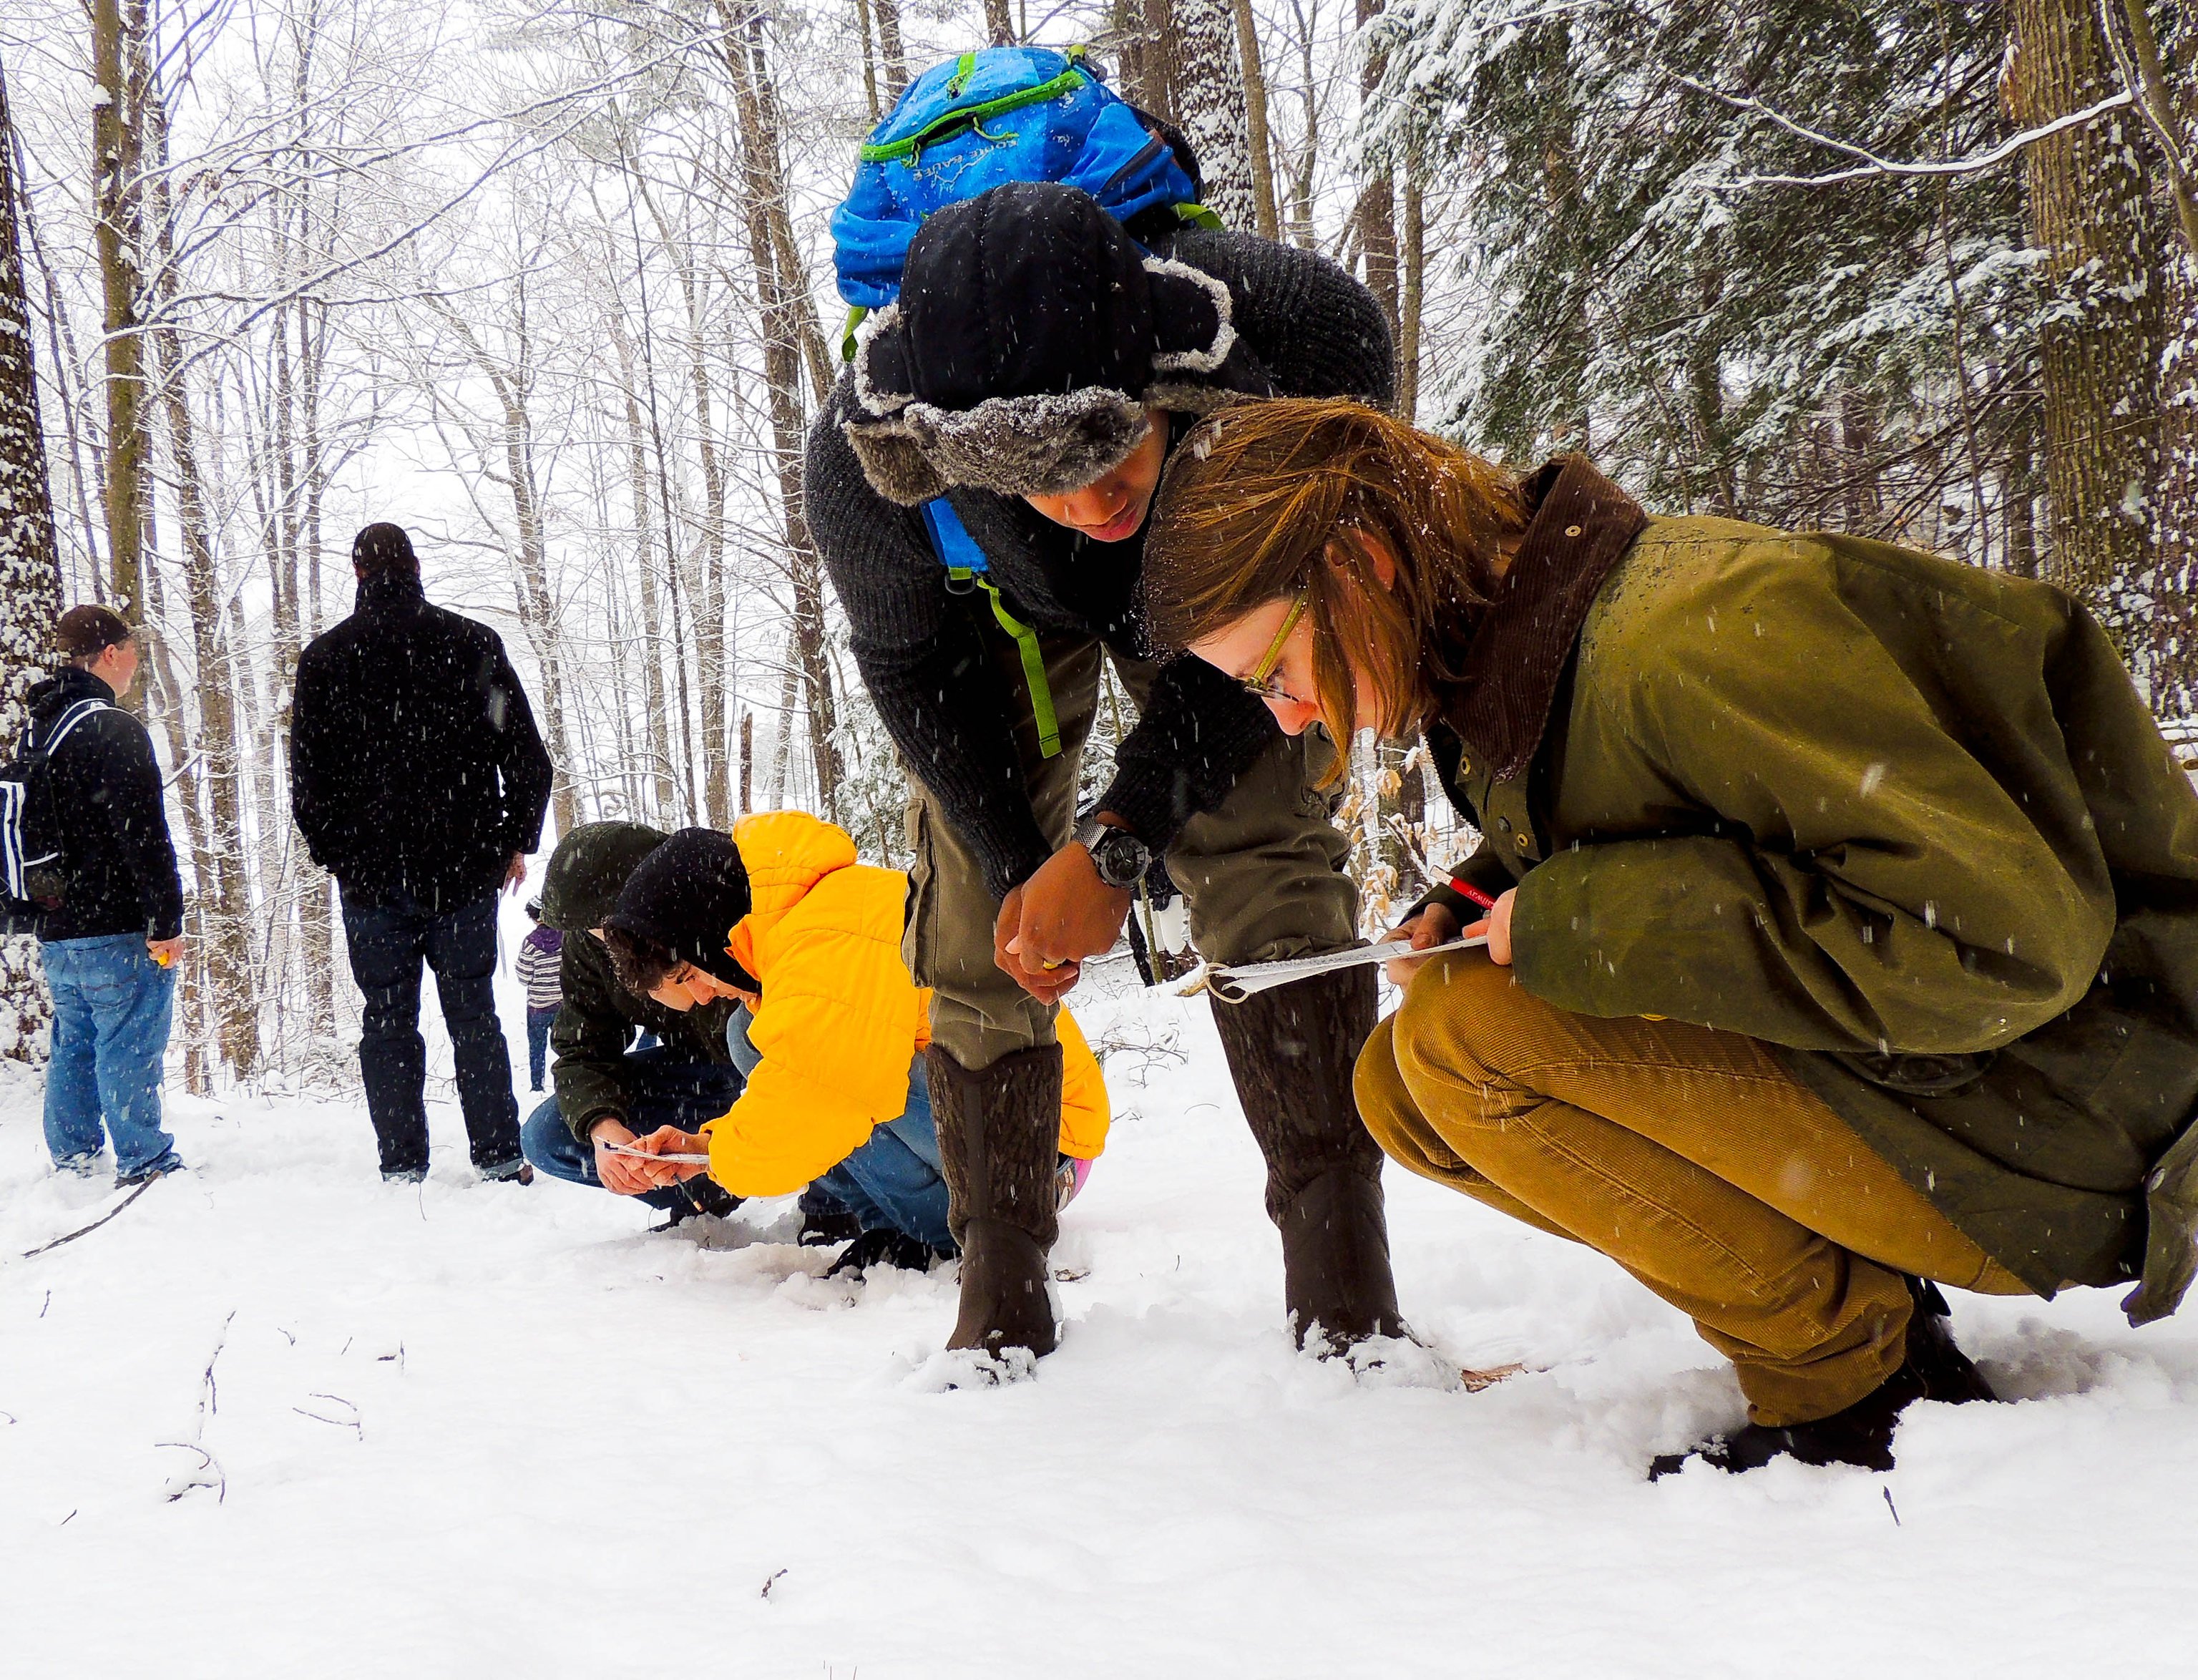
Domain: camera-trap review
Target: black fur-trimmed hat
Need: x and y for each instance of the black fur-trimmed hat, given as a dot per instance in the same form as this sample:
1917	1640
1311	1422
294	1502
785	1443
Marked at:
687	896
1030	338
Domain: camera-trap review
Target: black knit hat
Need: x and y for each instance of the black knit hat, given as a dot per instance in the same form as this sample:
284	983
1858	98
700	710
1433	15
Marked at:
687	896
1030	338
383	548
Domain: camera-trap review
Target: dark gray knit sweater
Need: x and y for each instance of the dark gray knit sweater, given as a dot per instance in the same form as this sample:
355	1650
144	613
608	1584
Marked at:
929	656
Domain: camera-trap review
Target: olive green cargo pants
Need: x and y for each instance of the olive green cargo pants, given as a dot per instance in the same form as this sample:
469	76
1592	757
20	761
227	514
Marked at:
1691	1157
1262	872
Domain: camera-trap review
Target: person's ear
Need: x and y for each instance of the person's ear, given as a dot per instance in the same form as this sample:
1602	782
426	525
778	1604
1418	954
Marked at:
1375	551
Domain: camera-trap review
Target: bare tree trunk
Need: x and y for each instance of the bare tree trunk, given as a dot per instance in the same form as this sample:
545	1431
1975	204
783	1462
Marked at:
652	642
747	761
1210	93
1266	220
1411	306
1376	214
891	50
224	893
1146	64
30	572
793	344
999	27
2100	345
116	152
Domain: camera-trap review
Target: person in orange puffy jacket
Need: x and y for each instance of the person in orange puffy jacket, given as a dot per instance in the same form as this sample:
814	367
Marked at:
782	916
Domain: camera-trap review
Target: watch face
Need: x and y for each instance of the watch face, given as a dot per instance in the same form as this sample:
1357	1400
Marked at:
1120	858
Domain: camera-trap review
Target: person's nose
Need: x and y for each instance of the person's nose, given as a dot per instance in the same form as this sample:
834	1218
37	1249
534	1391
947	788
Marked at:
1292	717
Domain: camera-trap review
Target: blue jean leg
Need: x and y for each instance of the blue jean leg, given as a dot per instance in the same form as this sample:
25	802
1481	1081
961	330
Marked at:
894	1181
538	1023
112	1008
664	1092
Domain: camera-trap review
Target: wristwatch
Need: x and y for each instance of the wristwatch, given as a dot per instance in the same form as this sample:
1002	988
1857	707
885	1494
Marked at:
1120	855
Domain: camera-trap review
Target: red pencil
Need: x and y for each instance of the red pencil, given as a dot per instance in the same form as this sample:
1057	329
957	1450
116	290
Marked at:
1460	884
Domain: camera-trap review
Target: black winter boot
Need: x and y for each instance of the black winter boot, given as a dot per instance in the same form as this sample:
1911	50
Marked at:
1947	1373
1292	1050
1932	1368
883	1247
998	1132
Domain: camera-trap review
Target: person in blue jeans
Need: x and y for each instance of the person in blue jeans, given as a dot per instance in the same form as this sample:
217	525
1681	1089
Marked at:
108	942
893	1184
663	1086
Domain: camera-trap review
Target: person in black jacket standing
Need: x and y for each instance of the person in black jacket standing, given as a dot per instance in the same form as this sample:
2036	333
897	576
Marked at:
109	946
419	781
1031	379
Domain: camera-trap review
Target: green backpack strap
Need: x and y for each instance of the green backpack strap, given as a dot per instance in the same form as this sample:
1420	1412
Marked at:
966	564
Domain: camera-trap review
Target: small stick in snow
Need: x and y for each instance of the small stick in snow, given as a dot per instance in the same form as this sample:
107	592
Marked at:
46	1303
769	1584
33	1254
1890	1506
351	1423
65	1521
190	1480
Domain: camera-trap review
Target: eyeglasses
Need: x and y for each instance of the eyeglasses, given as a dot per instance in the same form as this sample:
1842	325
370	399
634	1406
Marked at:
1261	683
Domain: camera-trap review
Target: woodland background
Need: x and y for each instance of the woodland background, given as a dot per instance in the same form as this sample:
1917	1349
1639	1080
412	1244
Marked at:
550	284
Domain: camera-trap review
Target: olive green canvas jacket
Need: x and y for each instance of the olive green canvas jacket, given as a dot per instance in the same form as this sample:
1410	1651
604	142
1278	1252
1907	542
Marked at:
1905	819
598	1018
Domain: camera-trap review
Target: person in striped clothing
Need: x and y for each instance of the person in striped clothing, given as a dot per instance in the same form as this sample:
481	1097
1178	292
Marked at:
538	958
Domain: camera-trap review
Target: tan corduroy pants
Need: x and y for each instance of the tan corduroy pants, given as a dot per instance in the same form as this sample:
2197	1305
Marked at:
1690	1156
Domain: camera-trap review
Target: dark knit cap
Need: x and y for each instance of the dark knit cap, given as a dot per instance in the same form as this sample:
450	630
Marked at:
86	632
687	896
1030	335
383	548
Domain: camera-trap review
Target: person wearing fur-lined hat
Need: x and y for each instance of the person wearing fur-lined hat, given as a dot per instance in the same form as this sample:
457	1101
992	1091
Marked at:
1010	416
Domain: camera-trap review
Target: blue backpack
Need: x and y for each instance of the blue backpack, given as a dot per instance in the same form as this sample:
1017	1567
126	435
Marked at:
963	127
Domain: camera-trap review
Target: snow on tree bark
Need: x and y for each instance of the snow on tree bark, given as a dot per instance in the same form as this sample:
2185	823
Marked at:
2099	345
29	571
1210	91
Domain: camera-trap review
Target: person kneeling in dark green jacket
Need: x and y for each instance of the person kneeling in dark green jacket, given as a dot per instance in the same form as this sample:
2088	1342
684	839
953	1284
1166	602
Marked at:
608	1088
1842	901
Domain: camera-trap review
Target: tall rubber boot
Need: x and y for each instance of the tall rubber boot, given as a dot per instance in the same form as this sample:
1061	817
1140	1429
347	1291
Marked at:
999	1133
1292	1050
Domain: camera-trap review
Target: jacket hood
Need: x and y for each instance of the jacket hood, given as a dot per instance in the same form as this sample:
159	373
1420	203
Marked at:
581	885
49	697
786	853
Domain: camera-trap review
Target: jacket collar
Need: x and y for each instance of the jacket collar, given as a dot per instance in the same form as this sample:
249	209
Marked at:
1579	524
68	685
380	591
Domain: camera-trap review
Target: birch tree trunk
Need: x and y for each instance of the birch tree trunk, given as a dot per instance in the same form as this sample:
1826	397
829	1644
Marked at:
30	572
1411	301
2101	341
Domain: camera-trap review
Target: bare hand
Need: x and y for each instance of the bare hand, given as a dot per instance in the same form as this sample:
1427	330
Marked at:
668	1141
165	951
621	1174
1050	923
1498	928
1436	924
514	874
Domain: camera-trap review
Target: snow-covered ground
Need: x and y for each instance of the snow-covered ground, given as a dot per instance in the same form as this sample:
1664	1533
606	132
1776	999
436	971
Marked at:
479	1430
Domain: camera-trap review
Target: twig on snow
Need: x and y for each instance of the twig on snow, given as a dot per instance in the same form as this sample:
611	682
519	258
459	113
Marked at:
209	1473
351	1423
770	1583
33	1254
46	1303
1890	1506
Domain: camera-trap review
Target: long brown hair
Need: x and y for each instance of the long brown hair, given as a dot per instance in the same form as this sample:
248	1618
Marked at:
1261	500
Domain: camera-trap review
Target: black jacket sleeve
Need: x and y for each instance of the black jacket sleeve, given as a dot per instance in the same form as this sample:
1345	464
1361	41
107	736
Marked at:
522	759
314	801
938	691
130	789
